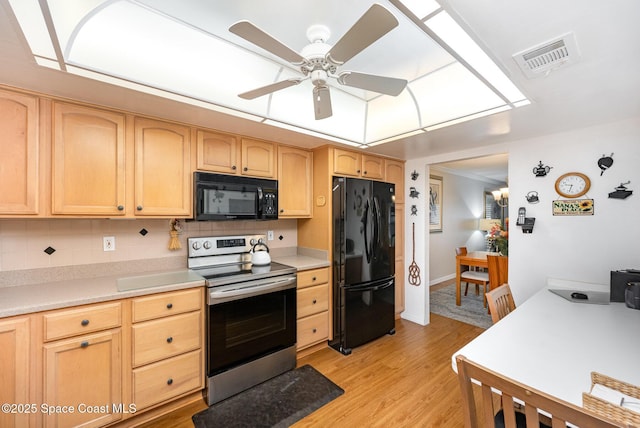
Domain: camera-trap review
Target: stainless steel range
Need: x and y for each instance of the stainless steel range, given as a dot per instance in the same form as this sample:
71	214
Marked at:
251	314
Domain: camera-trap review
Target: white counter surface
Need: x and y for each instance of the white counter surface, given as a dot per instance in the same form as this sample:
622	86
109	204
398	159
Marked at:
23	299
553	345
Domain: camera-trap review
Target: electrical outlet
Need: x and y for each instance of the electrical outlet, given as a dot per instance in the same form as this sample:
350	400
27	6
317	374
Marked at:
269	235
109	243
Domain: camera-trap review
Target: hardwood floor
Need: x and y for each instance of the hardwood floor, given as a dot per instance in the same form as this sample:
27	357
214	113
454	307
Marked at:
404	380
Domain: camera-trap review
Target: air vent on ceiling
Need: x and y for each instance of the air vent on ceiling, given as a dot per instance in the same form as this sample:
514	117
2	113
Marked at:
541	59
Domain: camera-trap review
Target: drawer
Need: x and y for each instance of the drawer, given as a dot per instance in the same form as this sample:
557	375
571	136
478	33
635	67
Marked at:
165	304
312	277
313	329
165	337
87	319
167	379
312	300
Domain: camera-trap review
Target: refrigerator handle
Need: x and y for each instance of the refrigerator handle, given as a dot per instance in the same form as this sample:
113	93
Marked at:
376	225
365	224
369	287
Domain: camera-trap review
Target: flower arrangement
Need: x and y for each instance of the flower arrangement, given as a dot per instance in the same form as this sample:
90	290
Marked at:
499	237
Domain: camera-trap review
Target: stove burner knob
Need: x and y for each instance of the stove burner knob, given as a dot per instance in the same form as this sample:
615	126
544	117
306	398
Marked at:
196	245
253	242
206	245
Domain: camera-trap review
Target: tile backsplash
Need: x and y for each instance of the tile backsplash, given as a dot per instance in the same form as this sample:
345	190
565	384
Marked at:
42	243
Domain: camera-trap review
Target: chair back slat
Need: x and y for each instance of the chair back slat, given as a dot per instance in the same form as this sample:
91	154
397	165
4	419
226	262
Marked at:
500	302
561	412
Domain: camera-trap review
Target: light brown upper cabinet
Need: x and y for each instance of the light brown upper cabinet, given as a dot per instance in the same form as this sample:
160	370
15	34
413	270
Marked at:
394	173
217	152
258	158
88	161
162	168
20	151
229	154
355	164
295	185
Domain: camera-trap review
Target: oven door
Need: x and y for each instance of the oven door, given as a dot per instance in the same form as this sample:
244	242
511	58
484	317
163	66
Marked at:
245	329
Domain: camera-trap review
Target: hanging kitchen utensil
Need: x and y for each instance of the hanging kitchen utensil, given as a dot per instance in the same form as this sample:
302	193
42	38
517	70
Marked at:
605	163
414	270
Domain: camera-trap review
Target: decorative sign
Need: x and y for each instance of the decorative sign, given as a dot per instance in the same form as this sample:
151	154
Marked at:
573	207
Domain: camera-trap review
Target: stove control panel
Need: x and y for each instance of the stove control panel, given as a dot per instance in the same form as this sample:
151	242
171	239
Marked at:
220	245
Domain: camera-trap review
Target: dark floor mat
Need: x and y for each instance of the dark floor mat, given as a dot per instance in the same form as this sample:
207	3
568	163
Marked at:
278	402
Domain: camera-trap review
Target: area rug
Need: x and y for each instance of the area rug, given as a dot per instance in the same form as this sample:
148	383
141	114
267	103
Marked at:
470	311
278	402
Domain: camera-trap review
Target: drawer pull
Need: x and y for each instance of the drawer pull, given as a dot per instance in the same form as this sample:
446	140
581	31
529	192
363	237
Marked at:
313	278
169	305
139	207
120	208
169	381
169	339
315	301
84	323
315	330
84	344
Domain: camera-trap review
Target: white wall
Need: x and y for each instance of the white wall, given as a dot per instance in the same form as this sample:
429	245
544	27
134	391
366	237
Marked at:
463	205
575	248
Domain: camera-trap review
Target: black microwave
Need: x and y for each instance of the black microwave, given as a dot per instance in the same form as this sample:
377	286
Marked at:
229	197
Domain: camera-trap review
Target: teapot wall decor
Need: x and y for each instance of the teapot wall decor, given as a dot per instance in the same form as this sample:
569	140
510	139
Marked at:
541	170
532	197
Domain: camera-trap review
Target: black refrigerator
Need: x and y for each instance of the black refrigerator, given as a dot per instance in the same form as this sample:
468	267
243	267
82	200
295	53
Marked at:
363	262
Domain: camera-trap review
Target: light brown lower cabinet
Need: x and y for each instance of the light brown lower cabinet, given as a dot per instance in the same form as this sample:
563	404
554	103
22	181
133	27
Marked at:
103	364
313	307
82	380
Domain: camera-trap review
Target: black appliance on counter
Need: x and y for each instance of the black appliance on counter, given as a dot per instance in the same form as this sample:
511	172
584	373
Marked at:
230	197
363	262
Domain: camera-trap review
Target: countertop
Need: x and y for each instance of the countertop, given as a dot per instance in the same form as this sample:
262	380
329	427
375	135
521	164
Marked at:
24	299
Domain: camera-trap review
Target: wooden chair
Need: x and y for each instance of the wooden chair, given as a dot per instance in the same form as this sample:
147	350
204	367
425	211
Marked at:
478	278
471	374
500	302
498	267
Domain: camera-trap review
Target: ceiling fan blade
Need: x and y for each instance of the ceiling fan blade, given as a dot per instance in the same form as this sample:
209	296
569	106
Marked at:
375	23
255	35
322	102
371	82
249	95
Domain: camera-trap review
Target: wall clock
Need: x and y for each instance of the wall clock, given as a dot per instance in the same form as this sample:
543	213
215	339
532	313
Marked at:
572	185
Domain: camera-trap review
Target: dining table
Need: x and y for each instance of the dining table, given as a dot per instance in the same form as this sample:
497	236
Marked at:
553	344
475	259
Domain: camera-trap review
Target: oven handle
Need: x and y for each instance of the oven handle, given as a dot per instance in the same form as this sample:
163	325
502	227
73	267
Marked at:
221	296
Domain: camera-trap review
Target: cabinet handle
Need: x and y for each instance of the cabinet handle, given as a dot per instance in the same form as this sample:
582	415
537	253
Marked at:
84	344
358	171
120	207
245	169
169	305
84	323
365	172
314	301
234	167
169	381
139	207
169	339
313	278
314	330
282	210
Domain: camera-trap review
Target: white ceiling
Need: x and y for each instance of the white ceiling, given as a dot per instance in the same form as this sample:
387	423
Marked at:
603	86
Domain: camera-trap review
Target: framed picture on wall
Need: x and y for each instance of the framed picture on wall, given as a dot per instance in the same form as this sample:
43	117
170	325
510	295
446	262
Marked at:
435	203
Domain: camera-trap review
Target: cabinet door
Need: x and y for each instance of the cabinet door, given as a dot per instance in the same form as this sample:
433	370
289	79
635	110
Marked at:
217	152
19	160
400	270
394	173
162	169
346	162
14	370
258	158
372	167
83	371
88	161
295	187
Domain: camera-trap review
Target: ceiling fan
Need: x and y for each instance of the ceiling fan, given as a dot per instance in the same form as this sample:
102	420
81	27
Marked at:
319	61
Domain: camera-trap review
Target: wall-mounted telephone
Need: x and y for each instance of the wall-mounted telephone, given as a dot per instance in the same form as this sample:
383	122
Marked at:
525	222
